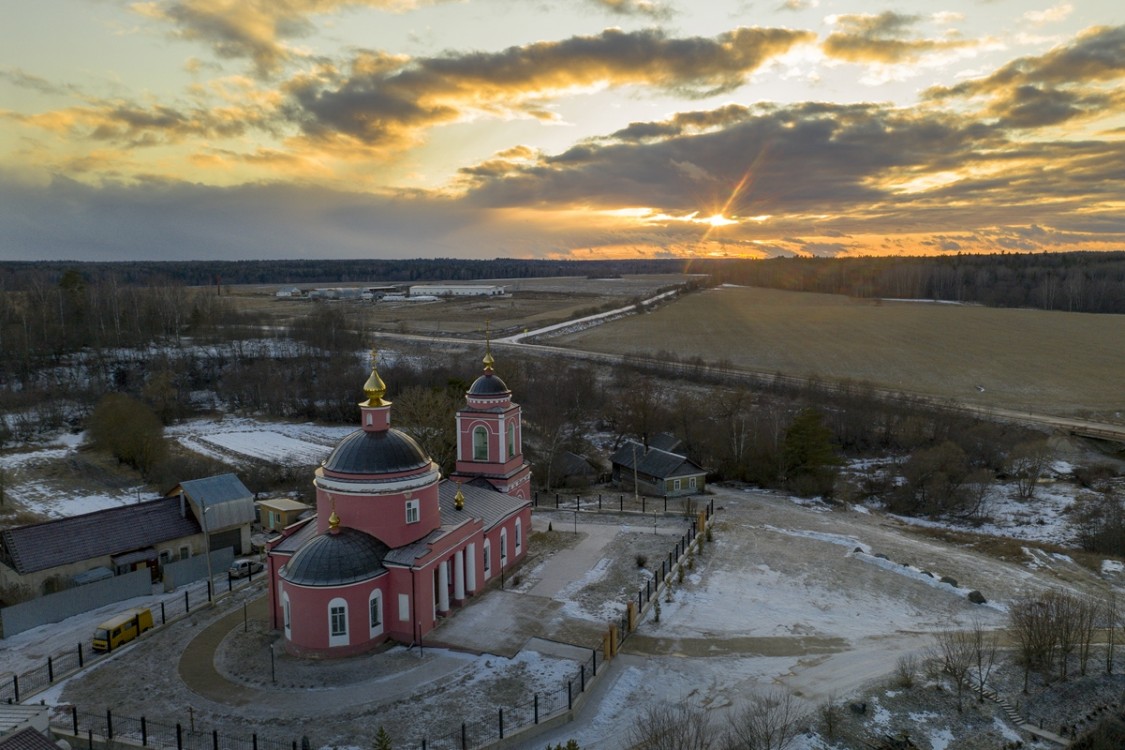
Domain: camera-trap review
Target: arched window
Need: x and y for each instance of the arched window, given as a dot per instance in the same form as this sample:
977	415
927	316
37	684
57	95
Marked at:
375	612
511	440
487	549
480	443
503	548
338	622
286	621
519	536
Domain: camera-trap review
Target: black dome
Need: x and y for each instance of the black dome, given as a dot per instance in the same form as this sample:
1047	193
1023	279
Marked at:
382	452
488	385
347	556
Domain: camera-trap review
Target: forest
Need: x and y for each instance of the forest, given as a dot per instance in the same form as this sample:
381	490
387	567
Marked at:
1072	282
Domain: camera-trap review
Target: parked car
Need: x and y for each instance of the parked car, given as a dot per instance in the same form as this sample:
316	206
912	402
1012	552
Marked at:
243	567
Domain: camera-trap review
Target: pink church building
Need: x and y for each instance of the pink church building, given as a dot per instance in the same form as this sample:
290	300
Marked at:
394	547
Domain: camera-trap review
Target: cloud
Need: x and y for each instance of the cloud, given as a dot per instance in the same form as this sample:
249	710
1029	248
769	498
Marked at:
797	5
635	8
884	38
134	125
1054	14
23	79
385	101
252	29
1067	82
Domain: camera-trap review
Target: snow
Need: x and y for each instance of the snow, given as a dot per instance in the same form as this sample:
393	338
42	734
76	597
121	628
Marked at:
1042	519
1112	566
1006	731
940	739
844	541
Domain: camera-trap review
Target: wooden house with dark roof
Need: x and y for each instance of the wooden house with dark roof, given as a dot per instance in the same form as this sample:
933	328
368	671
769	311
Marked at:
121	540
652	471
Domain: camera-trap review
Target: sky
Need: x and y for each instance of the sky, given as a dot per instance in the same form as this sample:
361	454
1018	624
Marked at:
586	129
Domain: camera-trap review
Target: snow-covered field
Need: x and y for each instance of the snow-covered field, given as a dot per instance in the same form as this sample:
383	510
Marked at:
242	439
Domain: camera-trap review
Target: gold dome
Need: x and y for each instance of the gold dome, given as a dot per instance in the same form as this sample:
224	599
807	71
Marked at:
375	388
333	522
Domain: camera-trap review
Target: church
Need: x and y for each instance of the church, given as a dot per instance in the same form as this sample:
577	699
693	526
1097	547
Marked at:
393	546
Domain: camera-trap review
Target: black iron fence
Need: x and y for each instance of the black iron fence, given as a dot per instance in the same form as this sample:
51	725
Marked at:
66	661
687	505
508	720
161	735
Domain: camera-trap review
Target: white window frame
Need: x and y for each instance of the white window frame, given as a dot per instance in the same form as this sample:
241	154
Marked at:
338	608
503	548
486	551
286	616
478	454
413	511
519	536
675	484
375	612
511	440
404	607
691	483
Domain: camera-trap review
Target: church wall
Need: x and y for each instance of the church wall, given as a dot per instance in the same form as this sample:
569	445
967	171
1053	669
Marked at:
382	516
309	633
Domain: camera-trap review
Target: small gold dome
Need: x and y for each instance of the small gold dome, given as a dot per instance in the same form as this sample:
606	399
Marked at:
374	388
459	499
333	522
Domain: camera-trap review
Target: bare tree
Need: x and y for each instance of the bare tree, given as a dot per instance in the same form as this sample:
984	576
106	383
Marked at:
1089	613
1066	613
955	653
1029	624
679	726
767	722
984	644
1026	463
1112	621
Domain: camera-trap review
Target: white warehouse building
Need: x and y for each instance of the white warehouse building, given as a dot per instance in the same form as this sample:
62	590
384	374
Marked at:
456	290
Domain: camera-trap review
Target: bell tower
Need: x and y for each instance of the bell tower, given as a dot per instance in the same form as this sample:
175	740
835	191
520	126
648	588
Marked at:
490	435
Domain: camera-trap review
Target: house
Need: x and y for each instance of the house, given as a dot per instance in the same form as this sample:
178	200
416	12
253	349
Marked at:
653	471
393	547
25	728
456	290
48	556
275	513
571	470
224	507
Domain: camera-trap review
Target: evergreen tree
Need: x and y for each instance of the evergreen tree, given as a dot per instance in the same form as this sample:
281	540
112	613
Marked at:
382	740
809	455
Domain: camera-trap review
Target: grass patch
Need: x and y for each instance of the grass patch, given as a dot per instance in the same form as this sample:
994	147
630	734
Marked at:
900	346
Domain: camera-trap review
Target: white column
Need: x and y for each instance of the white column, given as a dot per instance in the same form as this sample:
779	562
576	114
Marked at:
471	577
459	575
443	587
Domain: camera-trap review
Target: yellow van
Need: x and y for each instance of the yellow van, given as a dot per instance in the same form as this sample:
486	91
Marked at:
121	629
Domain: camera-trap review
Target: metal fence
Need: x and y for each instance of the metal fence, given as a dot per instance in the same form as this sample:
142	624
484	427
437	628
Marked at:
687	505
161	735
66	661
508	720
